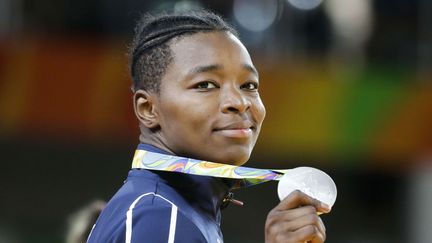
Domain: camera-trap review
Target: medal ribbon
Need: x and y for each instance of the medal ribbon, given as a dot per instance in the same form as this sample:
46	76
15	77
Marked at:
245	176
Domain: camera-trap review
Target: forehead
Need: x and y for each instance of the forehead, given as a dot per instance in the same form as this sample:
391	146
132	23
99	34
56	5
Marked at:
211	48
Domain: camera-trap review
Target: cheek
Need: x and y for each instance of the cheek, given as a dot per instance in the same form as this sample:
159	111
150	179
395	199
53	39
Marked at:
186	115
201	118
259	111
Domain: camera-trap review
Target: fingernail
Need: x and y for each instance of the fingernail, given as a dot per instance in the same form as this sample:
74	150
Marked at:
326	207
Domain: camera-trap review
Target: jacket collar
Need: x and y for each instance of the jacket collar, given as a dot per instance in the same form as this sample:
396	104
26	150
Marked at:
207	194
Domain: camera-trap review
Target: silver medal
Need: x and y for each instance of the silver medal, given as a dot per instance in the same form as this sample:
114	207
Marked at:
313	182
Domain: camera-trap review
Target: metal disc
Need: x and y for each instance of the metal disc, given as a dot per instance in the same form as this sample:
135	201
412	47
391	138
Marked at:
313	182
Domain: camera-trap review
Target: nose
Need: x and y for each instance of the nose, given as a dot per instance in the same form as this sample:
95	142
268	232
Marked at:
233	101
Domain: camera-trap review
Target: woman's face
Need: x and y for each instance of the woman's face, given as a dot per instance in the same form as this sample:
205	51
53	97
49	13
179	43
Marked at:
209	106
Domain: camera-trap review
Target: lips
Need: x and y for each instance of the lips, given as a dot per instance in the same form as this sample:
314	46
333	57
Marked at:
236	126
236	130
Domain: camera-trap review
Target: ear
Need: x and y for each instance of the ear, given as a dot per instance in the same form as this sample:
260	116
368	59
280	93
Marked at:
145	110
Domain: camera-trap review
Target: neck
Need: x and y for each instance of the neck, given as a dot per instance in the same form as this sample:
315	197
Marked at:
156	139
153	138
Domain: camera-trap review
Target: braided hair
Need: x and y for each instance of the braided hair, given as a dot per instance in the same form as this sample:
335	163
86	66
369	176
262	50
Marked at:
150	52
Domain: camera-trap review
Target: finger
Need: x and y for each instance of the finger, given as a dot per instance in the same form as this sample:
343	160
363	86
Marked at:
309	233
297	198
278	224
313	219
321	227
309	219
276	217
292	214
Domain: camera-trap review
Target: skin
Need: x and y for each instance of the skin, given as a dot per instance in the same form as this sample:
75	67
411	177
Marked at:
209	108
208	101
295	219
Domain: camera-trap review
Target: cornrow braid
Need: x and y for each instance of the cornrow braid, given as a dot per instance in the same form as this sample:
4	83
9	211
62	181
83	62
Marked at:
150	52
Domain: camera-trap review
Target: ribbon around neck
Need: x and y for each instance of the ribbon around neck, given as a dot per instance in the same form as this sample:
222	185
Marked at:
246	176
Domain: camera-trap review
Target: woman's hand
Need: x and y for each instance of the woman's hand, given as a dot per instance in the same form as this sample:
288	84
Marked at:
295	220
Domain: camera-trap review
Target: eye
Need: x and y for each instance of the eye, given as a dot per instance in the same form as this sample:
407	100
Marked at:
206	85
250	86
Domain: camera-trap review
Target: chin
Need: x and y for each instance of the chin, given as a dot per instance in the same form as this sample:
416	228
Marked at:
235	157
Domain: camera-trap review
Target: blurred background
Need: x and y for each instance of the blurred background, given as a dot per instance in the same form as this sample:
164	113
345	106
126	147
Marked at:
347	85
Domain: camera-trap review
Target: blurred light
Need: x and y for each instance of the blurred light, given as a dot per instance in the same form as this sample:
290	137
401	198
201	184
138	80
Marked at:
305	4
255	15
10	16
351	19
419	199
162	6
5	12
186	5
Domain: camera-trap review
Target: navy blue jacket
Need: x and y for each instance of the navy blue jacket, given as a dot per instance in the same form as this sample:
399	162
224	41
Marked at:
154	206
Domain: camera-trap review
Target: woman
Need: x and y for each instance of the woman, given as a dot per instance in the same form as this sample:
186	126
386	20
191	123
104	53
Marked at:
195	96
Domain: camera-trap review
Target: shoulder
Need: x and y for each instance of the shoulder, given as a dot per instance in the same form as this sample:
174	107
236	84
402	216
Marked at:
149	217
159	221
